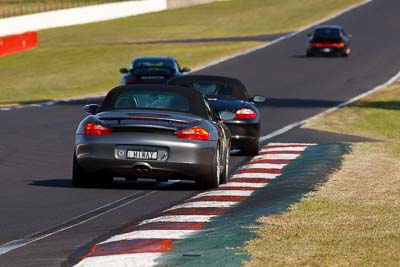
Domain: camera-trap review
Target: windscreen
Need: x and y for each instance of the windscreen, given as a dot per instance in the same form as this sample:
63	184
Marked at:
327	35
152	67
152	63
152	100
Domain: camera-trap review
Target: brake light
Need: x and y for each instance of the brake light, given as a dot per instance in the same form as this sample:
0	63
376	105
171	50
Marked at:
341	44
194	133
245	113
131	80
93	128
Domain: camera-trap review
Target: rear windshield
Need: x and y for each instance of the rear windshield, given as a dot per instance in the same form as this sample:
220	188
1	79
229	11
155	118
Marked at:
327	33
152	63
152	100
217	90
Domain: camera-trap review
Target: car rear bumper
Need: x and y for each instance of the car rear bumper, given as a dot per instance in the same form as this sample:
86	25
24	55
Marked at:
327	50
243	134
186	159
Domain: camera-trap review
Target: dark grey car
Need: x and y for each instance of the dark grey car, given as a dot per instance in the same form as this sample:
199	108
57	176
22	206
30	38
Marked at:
152	131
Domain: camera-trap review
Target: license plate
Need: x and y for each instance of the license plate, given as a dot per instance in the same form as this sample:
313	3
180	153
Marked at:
140	154
326	50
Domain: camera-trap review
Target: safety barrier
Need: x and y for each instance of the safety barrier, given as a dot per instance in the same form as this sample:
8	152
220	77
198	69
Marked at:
17	43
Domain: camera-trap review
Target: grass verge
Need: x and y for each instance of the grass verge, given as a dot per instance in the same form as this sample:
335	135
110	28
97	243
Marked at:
352	220
81	60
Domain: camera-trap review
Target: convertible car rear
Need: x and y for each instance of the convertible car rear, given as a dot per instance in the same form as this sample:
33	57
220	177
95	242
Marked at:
229	94
151	131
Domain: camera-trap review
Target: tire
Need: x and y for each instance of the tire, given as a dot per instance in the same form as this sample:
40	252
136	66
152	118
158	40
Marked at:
225	173
81	178
212	180
345	53
309	54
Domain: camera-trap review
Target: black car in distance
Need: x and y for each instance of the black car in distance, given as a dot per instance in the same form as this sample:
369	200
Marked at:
229	94
328	40
152	69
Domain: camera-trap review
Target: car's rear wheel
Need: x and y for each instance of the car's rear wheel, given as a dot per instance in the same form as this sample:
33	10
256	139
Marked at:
225	173
309	54
212	180
80	177
345	54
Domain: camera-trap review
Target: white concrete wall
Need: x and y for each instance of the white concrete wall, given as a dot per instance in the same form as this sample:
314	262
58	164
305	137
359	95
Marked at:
184	3
79	15
82	15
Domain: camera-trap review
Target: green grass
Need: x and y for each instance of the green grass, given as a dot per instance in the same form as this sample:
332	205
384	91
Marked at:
352	220
81	60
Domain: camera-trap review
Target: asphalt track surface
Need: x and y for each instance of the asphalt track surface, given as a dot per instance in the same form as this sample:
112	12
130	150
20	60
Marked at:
36	144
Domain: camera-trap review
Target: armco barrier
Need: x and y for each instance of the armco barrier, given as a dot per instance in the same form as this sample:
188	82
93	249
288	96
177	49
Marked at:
17	43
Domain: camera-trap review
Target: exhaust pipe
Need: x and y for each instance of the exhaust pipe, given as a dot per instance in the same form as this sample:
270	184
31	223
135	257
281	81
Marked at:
142	171
138	172
145	171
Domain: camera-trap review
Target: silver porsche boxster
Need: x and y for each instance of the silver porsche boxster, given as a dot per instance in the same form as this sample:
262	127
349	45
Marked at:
152	131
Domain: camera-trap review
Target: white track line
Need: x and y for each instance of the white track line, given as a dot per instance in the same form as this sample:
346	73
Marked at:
204	204
224	193
256	175
125	260
239	184
276	156
151	234
290	144
179	218
263	166
307	27
326	112
273	149
23	242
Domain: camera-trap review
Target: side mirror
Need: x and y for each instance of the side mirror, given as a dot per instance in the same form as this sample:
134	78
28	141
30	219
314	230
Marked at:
123	70
226	115
258	99
309	35
91	109
185	69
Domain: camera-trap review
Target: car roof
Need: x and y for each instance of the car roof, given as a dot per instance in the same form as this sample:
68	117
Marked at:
236	84
195	97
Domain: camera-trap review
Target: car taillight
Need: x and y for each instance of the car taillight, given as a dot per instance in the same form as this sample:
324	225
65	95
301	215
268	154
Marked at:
131	80
341	44
245	113
194	133
93	128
